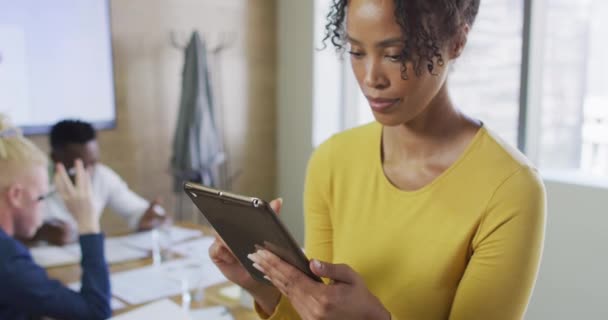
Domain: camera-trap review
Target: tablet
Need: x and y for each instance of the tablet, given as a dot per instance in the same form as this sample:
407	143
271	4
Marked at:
247	224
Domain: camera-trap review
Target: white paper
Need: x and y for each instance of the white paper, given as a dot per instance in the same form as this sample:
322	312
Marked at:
116	251
161	310
114	303
144	240
232	292
154	282
74	286
194	248
52	256
117	304
212	313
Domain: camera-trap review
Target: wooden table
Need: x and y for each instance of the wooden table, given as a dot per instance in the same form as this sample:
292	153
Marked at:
72	273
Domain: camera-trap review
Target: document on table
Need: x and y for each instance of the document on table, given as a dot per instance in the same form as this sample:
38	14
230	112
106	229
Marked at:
53	256
117	304
167	309
232	292
161	310
116	251
114	303
211	313
194	248
145	240
154	282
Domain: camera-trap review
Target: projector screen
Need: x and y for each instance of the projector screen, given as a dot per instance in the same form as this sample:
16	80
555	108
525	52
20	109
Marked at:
56	63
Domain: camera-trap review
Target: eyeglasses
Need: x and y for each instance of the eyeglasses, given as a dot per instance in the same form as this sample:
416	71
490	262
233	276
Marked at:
46	195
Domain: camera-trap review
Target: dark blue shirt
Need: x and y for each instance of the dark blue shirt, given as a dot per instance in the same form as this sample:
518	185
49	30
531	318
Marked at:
27	292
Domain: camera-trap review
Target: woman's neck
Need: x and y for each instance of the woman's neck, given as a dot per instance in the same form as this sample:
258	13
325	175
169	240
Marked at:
439	124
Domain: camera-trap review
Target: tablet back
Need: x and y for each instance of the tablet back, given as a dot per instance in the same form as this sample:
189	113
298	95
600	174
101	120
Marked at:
245	224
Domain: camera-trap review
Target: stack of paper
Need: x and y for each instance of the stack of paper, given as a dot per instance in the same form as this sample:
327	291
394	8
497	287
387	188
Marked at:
114	303
167	309
194	248
211	313
145	240
51	256
161	310
121	249
169	279
232	292
115	250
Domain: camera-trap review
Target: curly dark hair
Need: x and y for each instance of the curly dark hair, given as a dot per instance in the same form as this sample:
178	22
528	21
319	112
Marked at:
71	131
426	26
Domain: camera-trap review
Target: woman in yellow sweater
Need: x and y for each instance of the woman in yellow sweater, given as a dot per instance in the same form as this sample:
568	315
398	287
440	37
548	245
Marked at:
424	214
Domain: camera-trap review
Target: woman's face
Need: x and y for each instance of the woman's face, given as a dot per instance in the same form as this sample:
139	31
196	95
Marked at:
29	209
375	46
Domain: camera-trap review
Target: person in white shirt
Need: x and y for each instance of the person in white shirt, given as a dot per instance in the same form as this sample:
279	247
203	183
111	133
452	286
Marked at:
73	139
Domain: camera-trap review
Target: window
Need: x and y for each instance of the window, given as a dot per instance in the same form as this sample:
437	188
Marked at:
484	82
574	100
327	82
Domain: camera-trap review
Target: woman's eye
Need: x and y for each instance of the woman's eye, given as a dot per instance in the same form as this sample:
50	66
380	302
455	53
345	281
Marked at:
394	58
355	54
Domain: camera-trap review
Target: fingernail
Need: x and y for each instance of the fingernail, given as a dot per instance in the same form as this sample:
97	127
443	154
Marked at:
253	257
257	266
280	200
317	264
267	278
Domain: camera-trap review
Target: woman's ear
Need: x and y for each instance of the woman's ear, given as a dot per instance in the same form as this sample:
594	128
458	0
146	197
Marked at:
459	41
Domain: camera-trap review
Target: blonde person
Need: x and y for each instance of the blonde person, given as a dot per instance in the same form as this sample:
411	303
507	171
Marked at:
425	213
25	289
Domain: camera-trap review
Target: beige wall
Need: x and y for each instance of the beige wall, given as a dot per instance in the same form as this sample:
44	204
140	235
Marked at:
148	75
572	279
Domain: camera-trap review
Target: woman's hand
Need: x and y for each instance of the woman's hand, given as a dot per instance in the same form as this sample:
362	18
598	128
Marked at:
346	297
78	197
266	296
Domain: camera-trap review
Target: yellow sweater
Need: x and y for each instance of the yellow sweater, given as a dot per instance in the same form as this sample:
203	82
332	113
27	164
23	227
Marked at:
466	246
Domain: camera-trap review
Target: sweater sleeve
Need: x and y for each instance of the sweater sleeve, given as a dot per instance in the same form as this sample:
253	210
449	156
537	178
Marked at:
26	286
500	276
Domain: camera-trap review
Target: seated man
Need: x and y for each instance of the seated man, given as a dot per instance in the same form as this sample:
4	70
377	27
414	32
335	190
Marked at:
26	291
72	139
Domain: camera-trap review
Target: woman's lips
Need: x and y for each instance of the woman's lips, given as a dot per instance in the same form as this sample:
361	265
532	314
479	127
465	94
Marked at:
381	104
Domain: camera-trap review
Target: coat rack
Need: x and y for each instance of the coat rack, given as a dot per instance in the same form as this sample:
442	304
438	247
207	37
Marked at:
225	41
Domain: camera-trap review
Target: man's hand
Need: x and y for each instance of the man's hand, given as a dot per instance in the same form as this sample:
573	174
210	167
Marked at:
153	217
78	197
56	232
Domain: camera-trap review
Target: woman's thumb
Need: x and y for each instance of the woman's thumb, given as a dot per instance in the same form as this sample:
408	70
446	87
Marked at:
276	205
336	272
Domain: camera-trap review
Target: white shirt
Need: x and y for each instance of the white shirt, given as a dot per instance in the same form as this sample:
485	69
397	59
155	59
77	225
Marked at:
108	190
